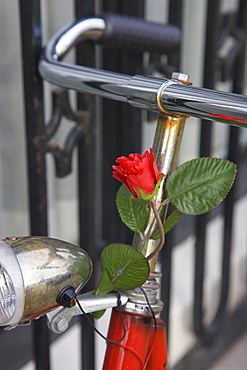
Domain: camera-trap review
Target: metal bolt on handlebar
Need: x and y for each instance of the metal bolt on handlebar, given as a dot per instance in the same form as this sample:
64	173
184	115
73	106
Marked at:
180	76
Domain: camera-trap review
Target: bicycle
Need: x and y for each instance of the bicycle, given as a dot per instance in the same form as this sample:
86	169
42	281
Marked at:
175	99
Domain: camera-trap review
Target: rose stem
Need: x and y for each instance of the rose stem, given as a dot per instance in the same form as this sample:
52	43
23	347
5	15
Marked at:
160	225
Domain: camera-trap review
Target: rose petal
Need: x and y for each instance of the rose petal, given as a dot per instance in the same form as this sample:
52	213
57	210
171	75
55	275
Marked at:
144	180
138	171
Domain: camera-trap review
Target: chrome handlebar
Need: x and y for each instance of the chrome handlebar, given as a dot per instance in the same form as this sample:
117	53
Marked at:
155	94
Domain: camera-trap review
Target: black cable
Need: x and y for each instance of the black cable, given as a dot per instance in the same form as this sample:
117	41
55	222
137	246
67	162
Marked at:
121	314
155	325
97	331
149	306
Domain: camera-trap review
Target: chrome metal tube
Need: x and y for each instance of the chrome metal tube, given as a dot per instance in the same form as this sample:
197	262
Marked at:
205	103
59	318
80	78
141	91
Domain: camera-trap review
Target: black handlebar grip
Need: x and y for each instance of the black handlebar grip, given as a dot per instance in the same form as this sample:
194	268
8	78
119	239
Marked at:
132	33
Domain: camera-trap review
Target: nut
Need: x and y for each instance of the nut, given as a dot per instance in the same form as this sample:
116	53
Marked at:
62	325
180	76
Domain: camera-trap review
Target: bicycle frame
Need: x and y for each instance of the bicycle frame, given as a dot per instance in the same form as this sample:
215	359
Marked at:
175	100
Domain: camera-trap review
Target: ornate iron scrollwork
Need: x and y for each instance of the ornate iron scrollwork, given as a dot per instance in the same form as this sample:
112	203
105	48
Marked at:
81	119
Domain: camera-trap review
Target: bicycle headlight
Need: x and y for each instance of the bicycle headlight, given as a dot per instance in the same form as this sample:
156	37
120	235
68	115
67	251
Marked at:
33	270
11	287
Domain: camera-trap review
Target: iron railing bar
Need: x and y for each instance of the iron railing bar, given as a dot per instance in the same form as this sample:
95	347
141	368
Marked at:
86	185
200	328
233	155
125	136
36	148
202	357
175	17
227	240
205	150
87	238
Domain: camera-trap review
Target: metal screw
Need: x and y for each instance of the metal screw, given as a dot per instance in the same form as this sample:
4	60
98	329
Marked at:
62	325
180	76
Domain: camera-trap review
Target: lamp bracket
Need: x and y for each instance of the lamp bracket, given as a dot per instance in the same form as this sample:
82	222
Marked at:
59	318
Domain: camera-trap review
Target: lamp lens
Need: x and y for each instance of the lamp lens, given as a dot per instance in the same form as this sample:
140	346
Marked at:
7	296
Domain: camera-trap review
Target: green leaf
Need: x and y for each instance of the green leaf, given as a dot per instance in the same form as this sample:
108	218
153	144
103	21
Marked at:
105	285
126	267
123	268
172	220
98	314
133	212
200	184
169	223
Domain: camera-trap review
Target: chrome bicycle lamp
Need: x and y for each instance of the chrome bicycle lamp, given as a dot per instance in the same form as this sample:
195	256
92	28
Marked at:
33	271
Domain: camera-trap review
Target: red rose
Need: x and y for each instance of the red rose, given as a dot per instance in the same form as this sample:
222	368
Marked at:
139	173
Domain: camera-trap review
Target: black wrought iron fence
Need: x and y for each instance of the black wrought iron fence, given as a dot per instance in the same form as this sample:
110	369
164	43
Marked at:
101	138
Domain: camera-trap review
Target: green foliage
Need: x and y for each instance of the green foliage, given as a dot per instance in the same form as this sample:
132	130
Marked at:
133	212
200	184
193	188
169	223
123	268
